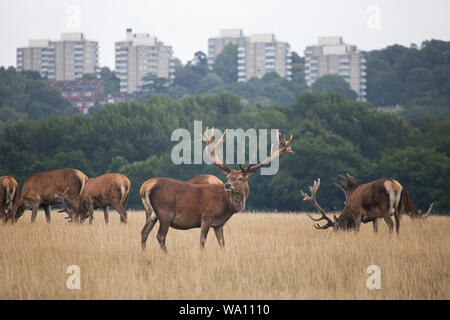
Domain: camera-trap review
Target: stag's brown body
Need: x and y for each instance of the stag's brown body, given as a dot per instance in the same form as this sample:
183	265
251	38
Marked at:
373	200
185	205
40	190
368	202
8	193
110	189
205	179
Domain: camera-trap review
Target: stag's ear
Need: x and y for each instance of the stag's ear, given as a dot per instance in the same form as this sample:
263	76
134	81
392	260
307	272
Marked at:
335	218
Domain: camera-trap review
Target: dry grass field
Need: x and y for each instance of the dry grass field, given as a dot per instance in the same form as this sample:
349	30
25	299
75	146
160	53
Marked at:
267	256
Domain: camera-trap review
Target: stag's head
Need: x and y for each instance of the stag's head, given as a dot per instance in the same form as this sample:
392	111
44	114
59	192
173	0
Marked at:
342	222
237	180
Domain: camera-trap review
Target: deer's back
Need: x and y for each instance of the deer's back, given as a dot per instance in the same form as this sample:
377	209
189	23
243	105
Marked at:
45	185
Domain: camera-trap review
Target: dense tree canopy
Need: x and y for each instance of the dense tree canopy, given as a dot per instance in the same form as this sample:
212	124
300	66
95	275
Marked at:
334	83
416	78
332	135
26	96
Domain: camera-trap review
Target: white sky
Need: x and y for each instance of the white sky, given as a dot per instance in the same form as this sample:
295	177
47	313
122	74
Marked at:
187	25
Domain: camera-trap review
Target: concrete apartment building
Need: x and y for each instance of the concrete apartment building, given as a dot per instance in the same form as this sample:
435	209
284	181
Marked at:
139	55
333	56
257	55
65	59
227	36
262	54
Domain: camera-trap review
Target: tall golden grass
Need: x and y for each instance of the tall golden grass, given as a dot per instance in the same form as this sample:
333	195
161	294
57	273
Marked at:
266	256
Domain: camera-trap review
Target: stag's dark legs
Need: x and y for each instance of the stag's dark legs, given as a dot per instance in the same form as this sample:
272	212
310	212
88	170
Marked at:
357	222
2	211
389	221
204	232
47	213
91	212
149	224
219	235
34	211
375	225
397	221
121	211
106	214
162	232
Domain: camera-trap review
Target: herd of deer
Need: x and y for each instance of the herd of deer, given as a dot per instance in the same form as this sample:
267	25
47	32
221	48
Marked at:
201	202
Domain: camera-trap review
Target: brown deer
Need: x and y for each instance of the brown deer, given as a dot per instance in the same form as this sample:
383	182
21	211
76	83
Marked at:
40	189
111	189
183	205
365	203
8	193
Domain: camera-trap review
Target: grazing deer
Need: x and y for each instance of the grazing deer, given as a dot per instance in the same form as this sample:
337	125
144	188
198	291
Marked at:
40	189
365	203
183	205
8	193
111	189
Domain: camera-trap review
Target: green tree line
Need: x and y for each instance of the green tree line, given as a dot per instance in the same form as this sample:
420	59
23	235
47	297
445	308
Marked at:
332	135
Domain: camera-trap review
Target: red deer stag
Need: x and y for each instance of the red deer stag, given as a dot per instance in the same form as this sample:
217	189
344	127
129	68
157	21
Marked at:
40	189
183	205
365	203
110	189
8	193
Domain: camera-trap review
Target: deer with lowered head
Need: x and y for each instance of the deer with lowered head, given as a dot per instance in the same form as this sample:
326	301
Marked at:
111	189
183	205
40	191
365	203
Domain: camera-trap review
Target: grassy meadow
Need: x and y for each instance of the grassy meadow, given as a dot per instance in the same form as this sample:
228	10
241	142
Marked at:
266	256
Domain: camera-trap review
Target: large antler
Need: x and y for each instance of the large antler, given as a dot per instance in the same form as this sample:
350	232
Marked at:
61	198
312	198
425	215
216	159
347	184
284	146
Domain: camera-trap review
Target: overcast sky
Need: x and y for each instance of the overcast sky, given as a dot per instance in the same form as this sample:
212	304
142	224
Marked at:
187	25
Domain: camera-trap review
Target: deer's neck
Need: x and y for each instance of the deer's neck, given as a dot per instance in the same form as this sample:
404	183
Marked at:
237	200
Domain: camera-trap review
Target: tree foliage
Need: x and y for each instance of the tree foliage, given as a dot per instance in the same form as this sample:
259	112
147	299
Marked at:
416	78
332	135
26	96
